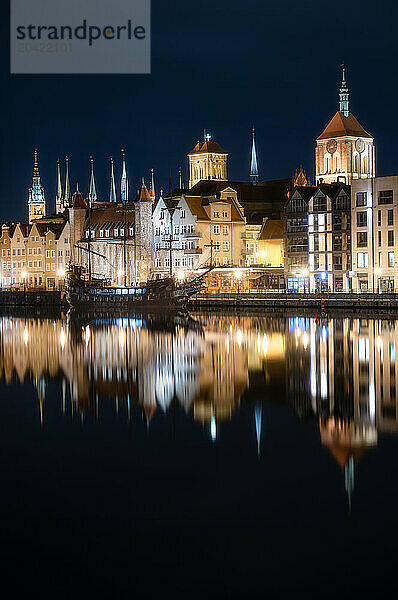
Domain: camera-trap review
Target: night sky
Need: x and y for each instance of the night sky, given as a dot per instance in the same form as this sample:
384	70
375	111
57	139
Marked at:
224	66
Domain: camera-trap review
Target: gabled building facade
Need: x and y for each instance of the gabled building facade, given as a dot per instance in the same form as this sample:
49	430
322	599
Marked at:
192	232
318	239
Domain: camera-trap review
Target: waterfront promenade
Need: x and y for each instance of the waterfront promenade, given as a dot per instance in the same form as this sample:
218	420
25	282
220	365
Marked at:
322	302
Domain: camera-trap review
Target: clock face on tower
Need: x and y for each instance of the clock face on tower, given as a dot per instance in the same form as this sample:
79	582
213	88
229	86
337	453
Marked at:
359	146
331	146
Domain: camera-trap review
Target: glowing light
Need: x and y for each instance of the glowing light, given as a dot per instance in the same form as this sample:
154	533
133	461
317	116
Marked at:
120	272
306	340
180	275
122	338
62	338
238	274
213	429
264	346
24	274
377	271
323	275
61	273
25	335
239	338
304	273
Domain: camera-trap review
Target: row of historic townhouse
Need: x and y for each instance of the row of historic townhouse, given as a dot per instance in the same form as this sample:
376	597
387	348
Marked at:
343	238
35	255
190	232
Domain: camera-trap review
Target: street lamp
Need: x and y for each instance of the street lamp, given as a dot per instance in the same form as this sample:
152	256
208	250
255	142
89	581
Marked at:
24	277
238	277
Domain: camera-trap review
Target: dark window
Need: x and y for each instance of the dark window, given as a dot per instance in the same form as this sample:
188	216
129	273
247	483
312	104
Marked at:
337	222
362	239
342	202
361	199
319	204
337	242
379	218
390	238
337	262
297	205
391	217
362	220
379	238
316	242
386	197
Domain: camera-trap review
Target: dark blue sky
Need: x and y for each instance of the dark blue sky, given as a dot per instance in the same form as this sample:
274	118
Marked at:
222	65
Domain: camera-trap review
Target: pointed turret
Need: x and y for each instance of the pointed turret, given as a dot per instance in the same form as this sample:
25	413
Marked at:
67	195
112	193
153	183
253	162
37	202
92	192
124	186
58	197
344	95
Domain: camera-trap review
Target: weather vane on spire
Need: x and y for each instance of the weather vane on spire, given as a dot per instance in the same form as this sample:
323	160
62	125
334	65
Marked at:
344	94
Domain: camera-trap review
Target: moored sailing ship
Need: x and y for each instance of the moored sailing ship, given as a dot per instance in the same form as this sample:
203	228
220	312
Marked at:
82	291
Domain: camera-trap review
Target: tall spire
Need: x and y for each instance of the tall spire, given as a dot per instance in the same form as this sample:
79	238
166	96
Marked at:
37	202
344	95
67	195
254	163
180	173
36	174
124	187
258	422
112	193
58	197
92	192
153	182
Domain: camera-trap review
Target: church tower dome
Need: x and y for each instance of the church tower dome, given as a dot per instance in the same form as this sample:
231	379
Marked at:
344	150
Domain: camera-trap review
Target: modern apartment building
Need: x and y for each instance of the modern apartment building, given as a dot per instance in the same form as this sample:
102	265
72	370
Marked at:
318	239
374	234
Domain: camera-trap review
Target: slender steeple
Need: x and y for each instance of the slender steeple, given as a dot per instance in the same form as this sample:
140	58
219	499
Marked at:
258	421
254	163
153	182
112	193
37	202
92	192
124	187
180	174
67	195
344	95
58	197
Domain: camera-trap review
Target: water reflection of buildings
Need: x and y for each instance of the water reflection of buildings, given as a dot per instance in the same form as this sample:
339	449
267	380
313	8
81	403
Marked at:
341	371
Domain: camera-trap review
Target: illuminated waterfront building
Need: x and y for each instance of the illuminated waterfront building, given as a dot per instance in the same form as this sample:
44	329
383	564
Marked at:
374	234
318	239
7	230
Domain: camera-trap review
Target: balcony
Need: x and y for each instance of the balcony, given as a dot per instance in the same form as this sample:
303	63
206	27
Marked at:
193	251
192	235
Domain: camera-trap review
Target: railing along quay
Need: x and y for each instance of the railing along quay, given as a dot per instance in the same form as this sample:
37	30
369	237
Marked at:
32	298
269	300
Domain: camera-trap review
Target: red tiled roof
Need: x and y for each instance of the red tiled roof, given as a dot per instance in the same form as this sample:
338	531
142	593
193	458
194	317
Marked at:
144	195
208	147
341	126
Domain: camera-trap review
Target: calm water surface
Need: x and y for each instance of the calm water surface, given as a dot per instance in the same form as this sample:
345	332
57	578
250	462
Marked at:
209	457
